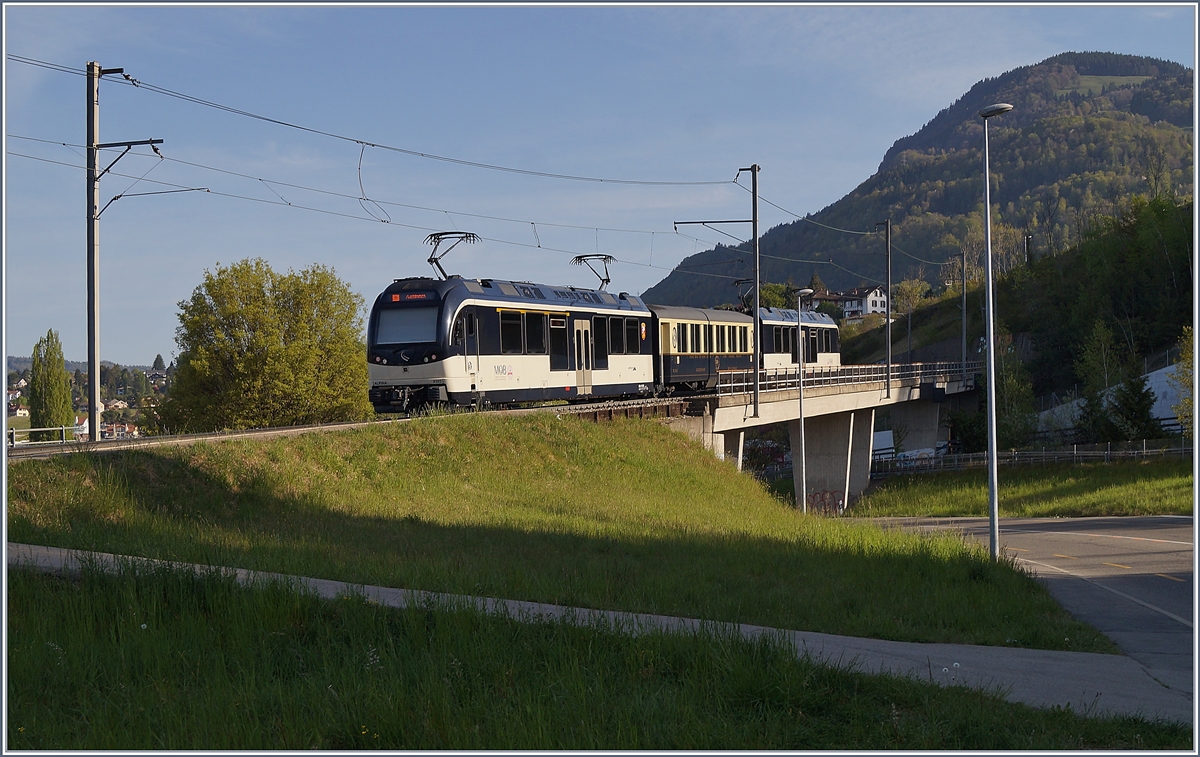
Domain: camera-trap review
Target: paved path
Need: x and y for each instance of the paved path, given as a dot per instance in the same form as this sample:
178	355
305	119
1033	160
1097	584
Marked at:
1092	683
1131	578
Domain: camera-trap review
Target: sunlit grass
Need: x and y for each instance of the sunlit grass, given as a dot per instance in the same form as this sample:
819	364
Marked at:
162	660
1159	487
622	516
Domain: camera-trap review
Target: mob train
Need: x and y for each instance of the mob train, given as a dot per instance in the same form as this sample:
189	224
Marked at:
487	341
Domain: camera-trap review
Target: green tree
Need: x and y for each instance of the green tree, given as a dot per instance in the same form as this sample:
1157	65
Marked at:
49	388
260	349
1181	378
1016	419
1131	409
1099	364
159	365
816	284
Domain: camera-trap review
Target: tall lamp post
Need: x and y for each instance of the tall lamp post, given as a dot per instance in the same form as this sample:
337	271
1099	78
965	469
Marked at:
799	459
990	299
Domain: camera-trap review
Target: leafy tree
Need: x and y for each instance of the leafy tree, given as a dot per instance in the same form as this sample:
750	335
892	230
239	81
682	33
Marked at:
816	284
1099	363
1181	378
831	310
908	294
259	349
159	365
1016	419
49	388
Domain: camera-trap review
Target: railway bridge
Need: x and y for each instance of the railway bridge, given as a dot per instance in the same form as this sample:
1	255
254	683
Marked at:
839	404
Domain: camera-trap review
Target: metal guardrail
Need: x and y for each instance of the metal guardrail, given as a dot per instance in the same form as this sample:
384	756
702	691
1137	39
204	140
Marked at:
66	435
780	379
1075	456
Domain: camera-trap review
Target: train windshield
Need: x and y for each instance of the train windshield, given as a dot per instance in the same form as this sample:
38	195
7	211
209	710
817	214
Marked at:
406	325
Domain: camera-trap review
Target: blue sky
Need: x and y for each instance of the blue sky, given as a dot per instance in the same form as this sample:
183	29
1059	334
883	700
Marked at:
814	94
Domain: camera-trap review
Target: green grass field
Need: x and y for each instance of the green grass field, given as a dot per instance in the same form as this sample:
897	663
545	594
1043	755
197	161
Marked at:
161	660
1159	487
624	516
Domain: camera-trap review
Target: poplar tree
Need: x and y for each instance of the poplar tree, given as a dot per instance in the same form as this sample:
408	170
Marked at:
49	388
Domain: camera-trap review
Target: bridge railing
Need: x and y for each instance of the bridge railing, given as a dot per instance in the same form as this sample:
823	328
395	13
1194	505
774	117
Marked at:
50	435
779	379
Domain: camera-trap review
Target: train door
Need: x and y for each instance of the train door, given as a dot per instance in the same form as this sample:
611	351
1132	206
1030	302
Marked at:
466	337
583	356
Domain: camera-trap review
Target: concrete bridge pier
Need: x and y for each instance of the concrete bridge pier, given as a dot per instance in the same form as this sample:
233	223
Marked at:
839	448
919	420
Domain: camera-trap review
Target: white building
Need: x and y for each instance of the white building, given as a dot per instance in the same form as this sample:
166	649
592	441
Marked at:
863	301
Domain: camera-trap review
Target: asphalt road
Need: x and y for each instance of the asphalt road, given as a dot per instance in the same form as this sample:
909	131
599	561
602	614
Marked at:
1132	578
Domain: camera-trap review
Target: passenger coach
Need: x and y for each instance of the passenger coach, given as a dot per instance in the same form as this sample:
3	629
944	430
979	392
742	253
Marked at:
475	341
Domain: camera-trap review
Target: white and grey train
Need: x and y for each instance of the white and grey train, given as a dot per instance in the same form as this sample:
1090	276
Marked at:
487	341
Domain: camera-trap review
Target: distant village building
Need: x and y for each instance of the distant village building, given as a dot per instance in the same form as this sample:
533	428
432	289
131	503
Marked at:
861	302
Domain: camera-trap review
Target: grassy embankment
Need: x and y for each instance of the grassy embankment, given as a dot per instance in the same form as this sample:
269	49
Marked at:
625	516
1160	487
162	660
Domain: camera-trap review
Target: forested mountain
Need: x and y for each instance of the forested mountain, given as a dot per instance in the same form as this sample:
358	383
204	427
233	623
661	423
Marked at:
1087	132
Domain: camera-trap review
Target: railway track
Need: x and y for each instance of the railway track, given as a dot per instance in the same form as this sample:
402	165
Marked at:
596	411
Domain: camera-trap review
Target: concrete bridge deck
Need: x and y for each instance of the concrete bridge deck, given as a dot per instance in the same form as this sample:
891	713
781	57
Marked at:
839	404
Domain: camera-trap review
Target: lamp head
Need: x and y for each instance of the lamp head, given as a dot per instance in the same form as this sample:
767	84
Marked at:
804	292
994	110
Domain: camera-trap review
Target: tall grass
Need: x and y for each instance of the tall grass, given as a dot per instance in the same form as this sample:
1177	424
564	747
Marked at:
156	659
1157	487
623	516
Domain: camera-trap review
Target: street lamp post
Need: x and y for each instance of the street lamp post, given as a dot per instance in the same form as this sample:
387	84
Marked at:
799	459
990	299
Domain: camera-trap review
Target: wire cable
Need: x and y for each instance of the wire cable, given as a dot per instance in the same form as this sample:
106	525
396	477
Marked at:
128	80
269	183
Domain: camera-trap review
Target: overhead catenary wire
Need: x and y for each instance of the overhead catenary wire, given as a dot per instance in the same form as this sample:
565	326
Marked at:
272	182
281	203
128	80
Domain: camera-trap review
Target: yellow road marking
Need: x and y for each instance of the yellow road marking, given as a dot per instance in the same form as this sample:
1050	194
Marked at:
1118	565
1067	557
1173	578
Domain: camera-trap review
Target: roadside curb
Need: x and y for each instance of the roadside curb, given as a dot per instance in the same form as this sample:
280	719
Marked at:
1087	683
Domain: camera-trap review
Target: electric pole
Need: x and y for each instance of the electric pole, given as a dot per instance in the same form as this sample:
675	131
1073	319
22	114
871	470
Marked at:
94	73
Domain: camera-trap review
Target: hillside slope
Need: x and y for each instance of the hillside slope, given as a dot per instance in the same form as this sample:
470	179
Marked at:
1087	131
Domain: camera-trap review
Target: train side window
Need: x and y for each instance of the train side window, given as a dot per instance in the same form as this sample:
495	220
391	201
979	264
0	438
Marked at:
470	324
778	343
708	337
720	337
633	337
743	338
559	345
510	334
535	333
682	330
697	344
600	342
616	336
789	338
489	332
835	341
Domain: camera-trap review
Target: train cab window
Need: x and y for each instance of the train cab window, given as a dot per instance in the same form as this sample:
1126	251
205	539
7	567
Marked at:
559	345
535	333
616	336
510	334
457	336
632	336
